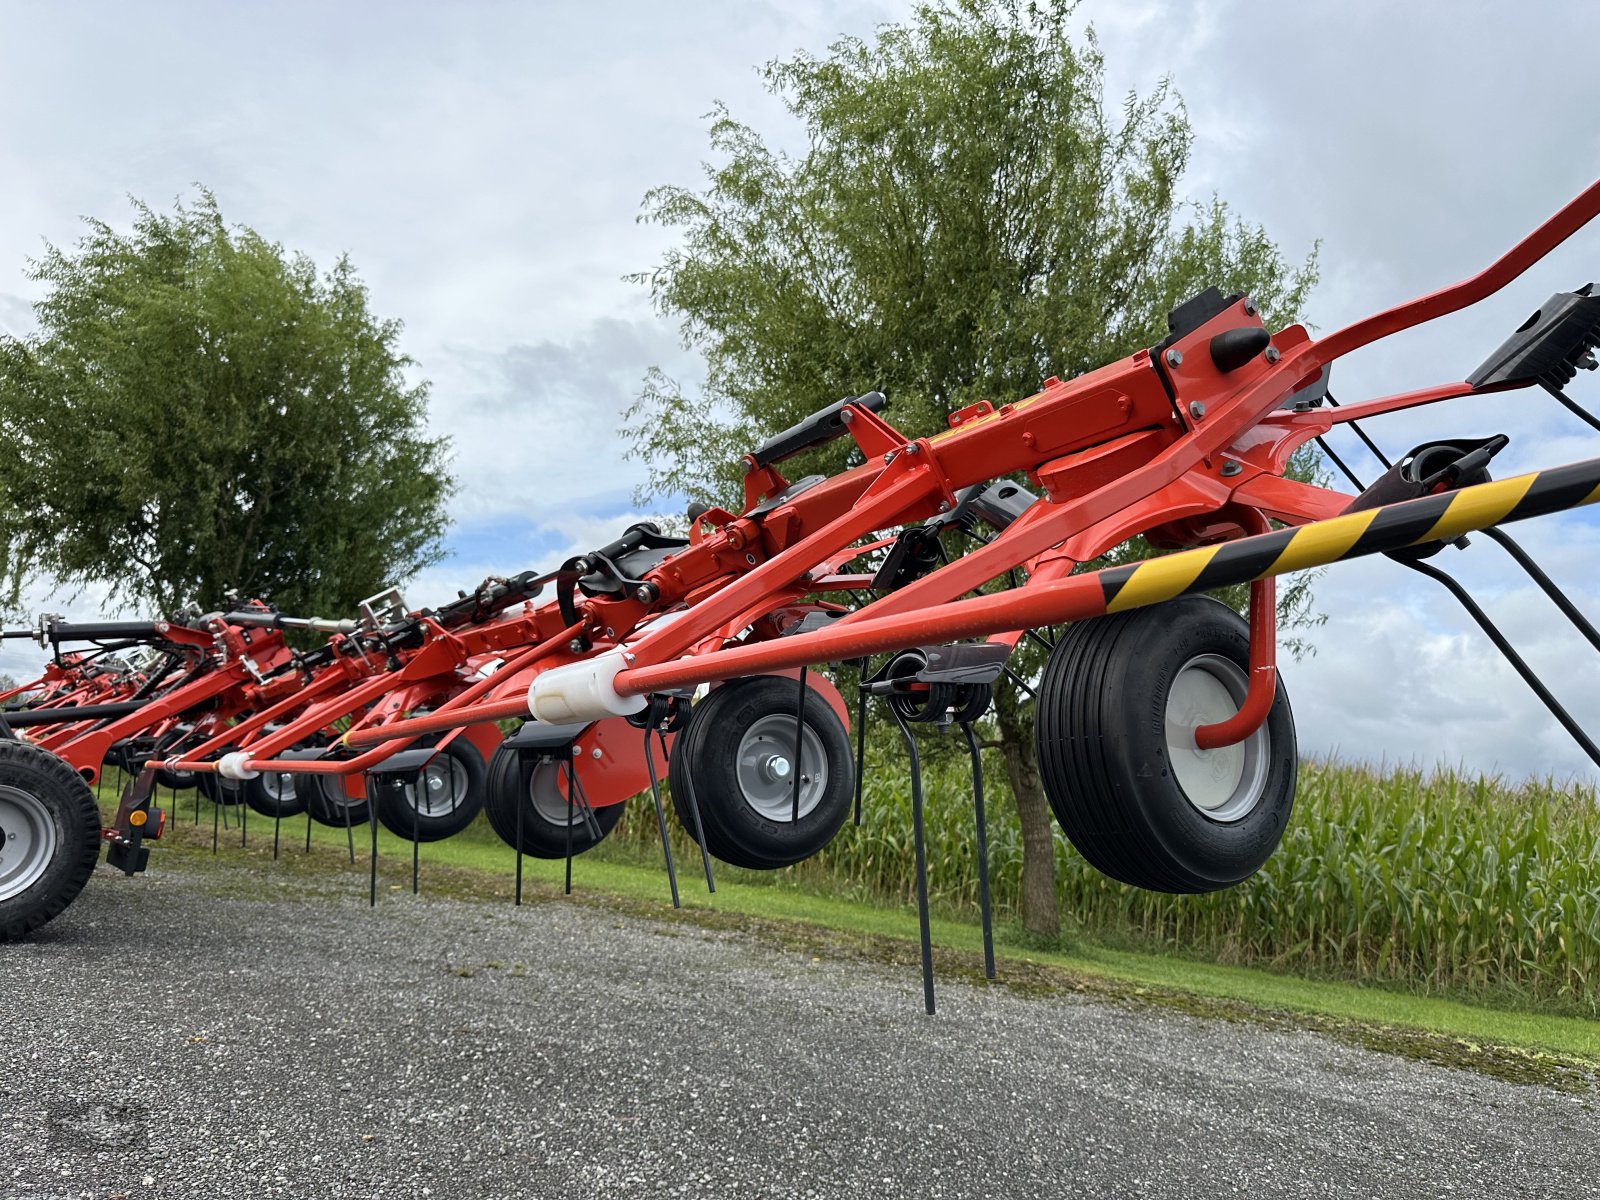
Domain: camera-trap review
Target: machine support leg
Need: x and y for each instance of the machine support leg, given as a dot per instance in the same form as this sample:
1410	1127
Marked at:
372	869
571	813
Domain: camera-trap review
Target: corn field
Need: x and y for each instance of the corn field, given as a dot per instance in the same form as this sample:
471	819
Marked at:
1438	881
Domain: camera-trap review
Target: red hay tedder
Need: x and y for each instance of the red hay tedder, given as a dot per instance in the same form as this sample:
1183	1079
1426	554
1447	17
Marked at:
1165	738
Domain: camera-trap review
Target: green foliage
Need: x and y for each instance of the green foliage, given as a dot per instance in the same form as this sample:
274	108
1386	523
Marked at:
200	410
969	218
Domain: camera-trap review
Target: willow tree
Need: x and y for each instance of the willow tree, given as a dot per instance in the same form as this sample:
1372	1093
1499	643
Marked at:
201	411
968	217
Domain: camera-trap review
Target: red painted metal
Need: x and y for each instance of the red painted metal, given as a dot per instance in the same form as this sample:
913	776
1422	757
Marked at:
1263	678
1163	445
1263	688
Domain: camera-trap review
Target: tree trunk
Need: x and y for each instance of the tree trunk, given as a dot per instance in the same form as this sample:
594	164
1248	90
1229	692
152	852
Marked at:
1041	908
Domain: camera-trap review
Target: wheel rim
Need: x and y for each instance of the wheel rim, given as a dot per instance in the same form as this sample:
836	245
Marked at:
1224	784
547	794
279	787
439	789
27	841
764	767
331	789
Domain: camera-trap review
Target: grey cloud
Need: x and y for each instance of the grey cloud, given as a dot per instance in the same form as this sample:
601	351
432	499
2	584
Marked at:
537	425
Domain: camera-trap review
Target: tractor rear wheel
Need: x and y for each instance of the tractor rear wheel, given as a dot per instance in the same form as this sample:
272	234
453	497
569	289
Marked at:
539	787
1118	703
49	837
735	757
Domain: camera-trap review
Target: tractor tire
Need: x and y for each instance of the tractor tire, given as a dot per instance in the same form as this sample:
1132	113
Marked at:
49	837
177	781
735	759
1140	802
537	787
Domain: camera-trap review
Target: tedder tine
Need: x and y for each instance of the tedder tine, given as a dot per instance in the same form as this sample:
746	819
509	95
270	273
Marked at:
984	911
919	841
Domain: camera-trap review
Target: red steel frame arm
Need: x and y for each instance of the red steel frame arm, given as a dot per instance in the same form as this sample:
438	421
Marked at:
1431	518
1572	217
1263	680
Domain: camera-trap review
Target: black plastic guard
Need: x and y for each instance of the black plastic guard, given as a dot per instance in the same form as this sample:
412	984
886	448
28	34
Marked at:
964	662
405	762
1550	346
1193	313
536	735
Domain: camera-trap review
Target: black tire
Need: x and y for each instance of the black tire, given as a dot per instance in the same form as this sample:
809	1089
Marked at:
49	837
452	787
276	794
537	787
177	781
328	804
1125	798
745	808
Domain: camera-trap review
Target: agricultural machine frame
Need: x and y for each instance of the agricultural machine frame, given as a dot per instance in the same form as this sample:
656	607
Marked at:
1185	444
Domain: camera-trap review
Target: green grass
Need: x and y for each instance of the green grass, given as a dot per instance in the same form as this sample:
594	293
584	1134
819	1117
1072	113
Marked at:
793	910
1433	883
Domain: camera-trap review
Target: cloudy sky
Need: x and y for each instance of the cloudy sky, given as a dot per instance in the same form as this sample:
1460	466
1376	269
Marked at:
483	164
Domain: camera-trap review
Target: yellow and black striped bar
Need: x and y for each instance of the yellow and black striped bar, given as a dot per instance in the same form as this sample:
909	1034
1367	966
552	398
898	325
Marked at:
1371	531
1116	589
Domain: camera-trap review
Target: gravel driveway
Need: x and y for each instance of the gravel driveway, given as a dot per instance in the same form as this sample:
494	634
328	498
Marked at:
274	1041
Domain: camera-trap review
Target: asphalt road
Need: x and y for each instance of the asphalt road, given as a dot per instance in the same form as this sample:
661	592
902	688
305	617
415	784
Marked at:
270	1041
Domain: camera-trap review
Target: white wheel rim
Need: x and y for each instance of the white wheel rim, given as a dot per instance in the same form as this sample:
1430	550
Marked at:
764	767
27	841
1227	783
334	795
279	787
439	789
547	793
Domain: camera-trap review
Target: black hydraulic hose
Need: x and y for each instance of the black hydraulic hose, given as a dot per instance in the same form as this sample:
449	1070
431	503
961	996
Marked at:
150	685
